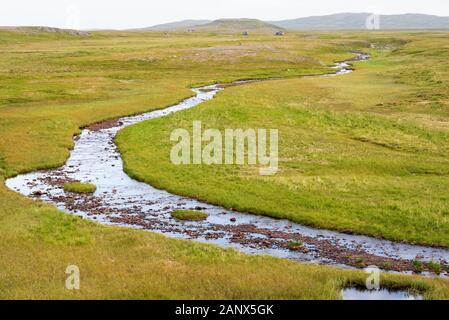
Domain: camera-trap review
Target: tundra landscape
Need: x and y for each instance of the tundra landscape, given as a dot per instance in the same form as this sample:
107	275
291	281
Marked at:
86	120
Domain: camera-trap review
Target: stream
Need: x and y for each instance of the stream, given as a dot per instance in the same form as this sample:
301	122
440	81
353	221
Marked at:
120	200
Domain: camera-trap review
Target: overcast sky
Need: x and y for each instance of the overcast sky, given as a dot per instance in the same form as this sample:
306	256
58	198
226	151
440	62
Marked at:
122	14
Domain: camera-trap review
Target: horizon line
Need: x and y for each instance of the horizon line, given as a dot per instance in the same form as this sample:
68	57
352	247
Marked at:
212	20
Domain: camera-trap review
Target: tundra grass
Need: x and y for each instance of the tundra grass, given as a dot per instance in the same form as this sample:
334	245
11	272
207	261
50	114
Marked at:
53	84
362	153
79	187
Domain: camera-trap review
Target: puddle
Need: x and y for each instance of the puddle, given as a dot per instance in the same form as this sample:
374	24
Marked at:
120	200
383	294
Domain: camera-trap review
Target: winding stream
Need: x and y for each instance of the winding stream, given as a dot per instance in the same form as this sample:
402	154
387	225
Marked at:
120	200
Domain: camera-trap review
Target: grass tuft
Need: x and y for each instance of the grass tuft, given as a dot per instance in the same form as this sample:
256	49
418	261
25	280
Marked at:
79	187
295	245
434	267
189	215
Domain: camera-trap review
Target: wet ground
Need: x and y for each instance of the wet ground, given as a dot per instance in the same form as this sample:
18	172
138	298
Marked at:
123	201
383	294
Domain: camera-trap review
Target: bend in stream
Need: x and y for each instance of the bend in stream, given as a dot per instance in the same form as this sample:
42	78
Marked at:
121	200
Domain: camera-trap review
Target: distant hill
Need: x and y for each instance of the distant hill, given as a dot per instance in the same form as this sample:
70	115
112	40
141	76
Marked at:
176	26
238	26
46	30
218	26
357	21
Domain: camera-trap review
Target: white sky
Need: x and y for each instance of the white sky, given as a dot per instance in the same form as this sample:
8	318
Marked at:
122	14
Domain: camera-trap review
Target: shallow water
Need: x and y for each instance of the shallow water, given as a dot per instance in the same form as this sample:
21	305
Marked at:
125	201
383	294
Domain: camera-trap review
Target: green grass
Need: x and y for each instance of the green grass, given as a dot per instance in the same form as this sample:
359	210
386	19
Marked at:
53	84
189	215
364	153
83	80
79	187
435	267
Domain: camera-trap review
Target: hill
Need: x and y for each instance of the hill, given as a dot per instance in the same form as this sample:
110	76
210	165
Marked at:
357	21
176	26
219	26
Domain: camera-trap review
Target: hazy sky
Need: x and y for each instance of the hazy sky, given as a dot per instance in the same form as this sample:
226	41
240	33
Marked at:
121	14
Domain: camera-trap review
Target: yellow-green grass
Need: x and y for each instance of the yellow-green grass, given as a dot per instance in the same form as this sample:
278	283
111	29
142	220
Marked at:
358	153
189	215
79	187
52	84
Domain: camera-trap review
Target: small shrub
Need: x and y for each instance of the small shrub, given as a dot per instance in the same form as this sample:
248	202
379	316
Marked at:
295	245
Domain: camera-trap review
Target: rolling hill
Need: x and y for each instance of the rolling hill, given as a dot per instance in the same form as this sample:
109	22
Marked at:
218	26
238	26
333	22
31	30
176	26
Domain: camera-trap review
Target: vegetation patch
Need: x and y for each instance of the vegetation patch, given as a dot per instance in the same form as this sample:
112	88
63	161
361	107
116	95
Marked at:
189	215
360	261
418	265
